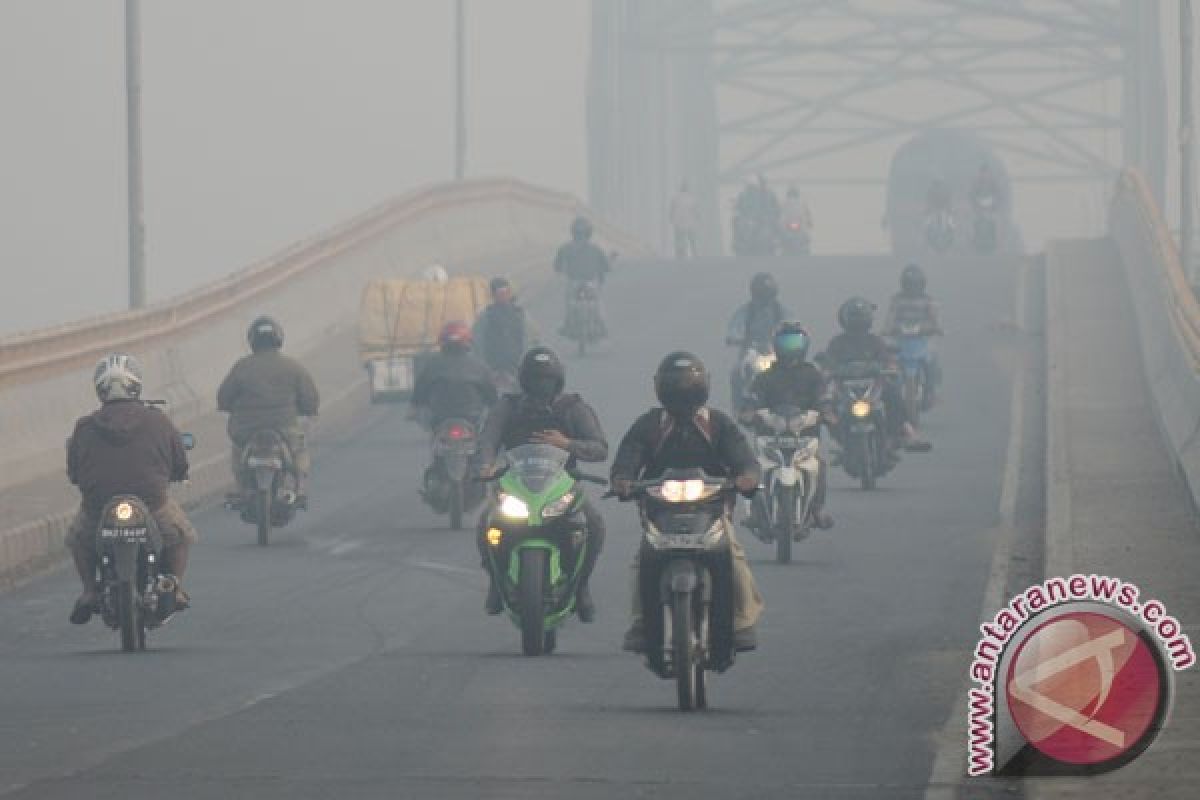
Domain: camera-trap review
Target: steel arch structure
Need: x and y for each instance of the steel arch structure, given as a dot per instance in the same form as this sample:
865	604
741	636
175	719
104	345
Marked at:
814	90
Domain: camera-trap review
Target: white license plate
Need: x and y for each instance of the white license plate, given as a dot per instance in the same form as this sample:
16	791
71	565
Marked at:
273	463
136	534
395	375
683	541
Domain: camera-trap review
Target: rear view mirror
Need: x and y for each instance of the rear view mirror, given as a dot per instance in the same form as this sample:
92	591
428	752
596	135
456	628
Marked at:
189	440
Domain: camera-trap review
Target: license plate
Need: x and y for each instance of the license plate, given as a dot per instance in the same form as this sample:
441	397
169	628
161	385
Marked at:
124	534
273	463
683	541
786	442
395	375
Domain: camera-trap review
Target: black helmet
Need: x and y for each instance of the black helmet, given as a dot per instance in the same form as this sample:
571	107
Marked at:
581	229
856	315
763	288
264	334
541	374
499	282
790	342
681	383
912	280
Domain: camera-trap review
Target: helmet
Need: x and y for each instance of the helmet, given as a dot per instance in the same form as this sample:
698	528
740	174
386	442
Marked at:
436	273
912	280
856	315
264	334
117	377
763	288
791	341
681	383
581	228
541	374
455	335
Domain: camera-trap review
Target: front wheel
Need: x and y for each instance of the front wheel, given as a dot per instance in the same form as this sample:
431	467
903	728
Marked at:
785	523
263	515
456	505
683	653
531	601
867	468
129	615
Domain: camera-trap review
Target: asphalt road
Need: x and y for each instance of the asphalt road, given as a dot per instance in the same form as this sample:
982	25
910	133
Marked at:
352	658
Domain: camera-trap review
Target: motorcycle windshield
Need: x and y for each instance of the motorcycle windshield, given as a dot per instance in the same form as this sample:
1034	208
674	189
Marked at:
536	466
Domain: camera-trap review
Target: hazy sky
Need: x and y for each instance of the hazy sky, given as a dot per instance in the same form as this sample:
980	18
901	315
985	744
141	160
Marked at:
264	122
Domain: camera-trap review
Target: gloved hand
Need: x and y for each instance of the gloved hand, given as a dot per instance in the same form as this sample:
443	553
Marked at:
622	487
746	484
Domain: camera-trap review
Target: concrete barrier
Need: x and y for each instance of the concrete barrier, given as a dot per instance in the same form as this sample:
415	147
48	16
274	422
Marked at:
187	344
1168	319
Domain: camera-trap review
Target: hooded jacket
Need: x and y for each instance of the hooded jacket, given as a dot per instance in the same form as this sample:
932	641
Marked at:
125	447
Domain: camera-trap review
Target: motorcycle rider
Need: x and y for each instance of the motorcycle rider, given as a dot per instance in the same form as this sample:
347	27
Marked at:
452	384
938	198
125	447
581	261
503	331
856	342
269	390
795	381
543	414
685	433
684	215
754	322
911	305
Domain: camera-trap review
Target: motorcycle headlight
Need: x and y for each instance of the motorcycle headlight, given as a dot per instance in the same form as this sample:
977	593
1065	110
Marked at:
860	408
124	512
763	362
513	507
560	506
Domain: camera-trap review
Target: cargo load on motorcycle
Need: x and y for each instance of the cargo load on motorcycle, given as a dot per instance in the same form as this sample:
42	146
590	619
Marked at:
398	324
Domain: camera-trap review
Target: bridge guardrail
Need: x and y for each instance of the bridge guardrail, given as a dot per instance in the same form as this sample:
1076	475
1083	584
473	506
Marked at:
1168	319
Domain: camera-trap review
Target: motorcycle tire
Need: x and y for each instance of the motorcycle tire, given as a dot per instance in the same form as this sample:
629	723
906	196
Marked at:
682	652
549	641
912	399
456	505
129	617
867	467
531	601
785	524
262	513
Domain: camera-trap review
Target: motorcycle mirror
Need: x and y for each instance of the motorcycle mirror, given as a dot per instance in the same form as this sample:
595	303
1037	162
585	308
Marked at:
189	440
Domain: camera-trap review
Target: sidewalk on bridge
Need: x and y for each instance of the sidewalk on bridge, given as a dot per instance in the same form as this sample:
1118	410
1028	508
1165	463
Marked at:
1115	505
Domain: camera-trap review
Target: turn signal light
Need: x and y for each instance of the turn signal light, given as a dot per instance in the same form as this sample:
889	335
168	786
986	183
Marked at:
494	535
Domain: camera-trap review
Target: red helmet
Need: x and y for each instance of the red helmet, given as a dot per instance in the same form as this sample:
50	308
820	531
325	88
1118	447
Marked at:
455	333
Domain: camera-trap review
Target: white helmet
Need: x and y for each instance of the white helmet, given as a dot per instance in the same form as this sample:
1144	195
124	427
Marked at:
436	273
118	377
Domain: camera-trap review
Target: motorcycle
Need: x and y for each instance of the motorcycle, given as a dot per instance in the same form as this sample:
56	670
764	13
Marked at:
794	239
939	230
267	496
862	426
912	344
447	489
584	323
537	542
985	224
686	579
753	236
787	445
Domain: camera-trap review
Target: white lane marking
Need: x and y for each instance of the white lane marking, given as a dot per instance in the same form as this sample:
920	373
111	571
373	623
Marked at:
341	548
950	760
438	566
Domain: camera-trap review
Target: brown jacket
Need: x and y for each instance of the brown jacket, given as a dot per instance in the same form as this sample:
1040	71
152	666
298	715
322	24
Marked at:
125	448
266	390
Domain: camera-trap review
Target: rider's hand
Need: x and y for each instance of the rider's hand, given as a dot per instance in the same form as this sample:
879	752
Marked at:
745	483
553	438
622	487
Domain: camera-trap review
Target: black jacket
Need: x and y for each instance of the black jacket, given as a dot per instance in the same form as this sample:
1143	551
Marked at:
502	335
125	448
847	347
517	417
454	385
800	385
581	261
711	441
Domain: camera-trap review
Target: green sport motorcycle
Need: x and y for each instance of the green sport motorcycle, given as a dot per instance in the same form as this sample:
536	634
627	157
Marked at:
536	541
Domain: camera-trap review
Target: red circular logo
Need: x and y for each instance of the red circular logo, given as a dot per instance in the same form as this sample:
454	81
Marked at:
1084	688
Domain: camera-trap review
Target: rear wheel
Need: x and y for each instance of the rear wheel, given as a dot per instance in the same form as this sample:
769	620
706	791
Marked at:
785	523
456	505
912	398
531	600
686	668
262	513
130	618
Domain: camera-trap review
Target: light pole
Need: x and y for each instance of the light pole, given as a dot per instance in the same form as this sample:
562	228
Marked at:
460	80
133	109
